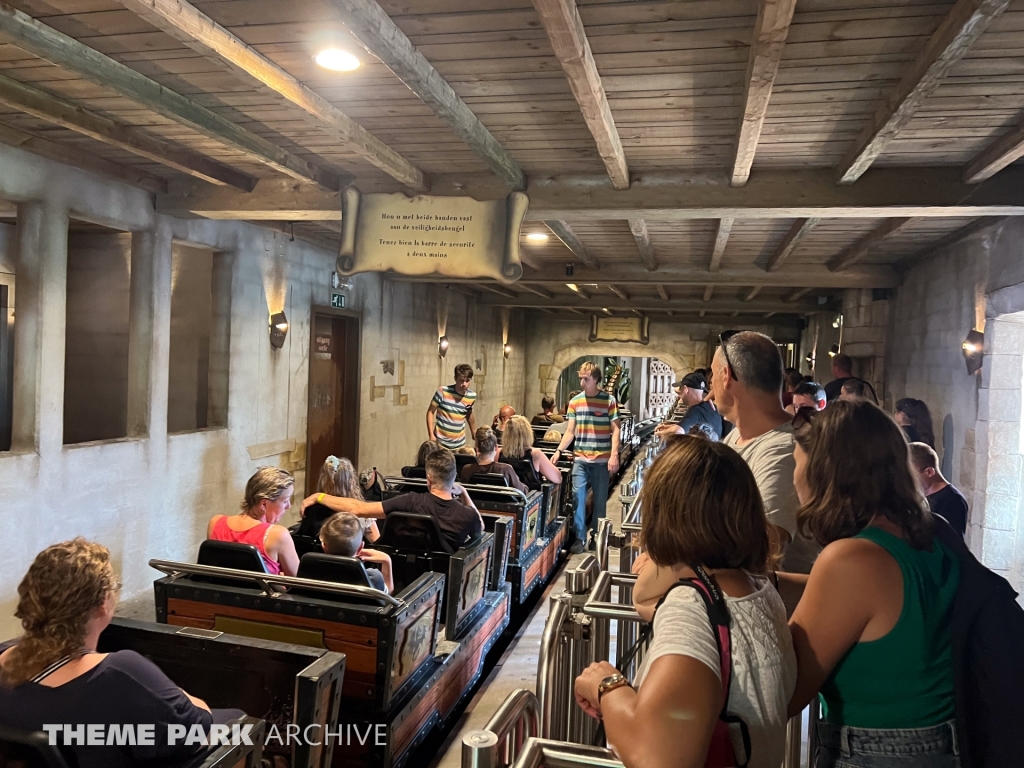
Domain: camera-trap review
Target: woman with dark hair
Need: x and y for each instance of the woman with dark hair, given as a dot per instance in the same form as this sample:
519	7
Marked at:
872	629
915	418
426	448
703	520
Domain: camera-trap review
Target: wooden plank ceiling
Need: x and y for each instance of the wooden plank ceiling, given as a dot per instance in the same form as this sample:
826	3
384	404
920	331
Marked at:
572	100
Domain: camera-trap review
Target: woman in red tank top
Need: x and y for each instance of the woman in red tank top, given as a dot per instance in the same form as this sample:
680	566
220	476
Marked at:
268	495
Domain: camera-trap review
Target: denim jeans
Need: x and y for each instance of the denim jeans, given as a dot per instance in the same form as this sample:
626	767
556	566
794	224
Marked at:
592	474
843	747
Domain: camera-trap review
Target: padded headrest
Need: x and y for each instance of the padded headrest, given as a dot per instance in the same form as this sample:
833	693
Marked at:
335	568
526	472
489	478
28	748
404	530
230	554
463	460
417	472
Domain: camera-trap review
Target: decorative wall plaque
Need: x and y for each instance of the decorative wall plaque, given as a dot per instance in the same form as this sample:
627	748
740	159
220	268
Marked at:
632	329
425	235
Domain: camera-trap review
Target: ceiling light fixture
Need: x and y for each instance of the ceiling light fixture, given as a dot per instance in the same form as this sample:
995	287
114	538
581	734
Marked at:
337	60
537	237
573	287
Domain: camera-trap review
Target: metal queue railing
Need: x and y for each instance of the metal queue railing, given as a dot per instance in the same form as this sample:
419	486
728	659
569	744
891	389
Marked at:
595	609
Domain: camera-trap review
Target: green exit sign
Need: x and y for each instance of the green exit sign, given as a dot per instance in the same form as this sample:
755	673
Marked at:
337	301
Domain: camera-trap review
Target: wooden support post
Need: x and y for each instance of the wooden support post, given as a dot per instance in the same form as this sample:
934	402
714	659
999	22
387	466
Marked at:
752	293
1007	149
963	25
663	292
708	291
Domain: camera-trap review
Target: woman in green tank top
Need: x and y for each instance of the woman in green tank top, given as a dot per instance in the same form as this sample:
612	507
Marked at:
872	629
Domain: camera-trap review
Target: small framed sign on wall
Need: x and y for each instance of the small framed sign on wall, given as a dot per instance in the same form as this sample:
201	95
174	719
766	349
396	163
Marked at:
629	329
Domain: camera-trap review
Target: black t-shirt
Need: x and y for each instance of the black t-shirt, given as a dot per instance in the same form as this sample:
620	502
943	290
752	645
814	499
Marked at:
951	506
458	522
123	689
835	388
702	413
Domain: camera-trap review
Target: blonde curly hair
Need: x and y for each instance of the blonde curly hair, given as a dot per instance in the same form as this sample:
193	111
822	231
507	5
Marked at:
64	585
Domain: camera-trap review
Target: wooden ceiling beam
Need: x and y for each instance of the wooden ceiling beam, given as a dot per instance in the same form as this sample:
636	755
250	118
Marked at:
770	32
375	31
770	194
581	292
535	289
563	232
562	22
721	240
1007	149
796	294
708	291
52	109
69	54
963	25
498	290
621	293
614	304
198	31
64	153
952	238
638	227
800	229
663	292
856	252
752	293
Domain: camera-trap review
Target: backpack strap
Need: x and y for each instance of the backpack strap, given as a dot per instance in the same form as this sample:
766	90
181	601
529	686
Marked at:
718	615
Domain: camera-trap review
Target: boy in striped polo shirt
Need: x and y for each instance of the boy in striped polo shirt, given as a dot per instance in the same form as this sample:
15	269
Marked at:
593	420
450	409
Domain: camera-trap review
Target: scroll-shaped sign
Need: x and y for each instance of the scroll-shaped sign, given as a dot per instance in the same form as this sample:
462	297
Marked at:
619	329
426	235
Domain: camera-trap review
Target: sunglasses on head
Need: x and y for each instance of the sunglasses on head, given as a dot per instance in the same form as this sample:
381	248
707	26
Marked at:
723	337
804	417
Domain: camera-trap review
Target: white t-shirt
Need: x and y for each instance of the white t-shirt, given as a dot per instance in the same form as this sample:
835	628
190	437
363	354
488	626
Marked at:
763	660
770	458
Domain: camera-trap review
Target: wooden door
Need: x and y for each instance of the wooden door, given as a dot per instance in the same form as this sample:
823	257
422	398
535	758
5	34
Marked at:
333	406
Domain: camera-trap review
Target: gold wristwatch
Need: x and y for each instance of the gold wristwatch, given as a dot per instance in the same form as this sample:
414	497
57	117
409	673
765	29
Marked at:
610	683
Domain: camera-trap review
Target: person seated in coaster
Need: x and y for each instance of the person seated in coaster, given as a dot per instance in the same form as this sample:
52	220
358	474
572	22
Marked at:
487	461
458	518
426	448
518	444
54	674
548	415
338	478
342	534
268	495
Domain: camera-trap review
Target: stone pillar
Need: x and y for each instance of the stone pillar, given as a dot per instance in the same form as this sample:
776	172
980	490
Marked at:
42	269
140	334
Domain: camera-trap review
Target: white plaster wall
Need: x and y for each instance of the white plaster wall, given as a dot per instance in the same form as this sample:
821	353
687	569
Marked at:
408	317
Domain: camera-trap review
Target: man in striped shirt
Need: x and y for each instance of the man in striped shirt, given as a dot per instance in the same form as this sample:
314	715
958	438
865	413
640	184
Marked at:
593	420
450	409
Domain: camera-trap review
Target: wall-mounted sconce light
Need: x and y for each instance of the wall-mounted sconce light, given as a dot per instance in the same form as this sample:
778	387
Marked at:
507	350
974	351
442	346
833	350
278	329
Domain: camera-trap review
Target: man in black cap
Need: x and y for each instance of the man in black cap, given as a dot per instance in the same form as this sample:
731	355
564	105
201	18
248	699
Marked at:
692	388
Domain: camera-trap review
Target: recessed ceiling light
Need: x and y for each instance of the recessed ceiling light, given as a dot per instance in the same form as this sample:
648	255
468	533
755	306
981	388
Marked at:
337	60
537	237
572	287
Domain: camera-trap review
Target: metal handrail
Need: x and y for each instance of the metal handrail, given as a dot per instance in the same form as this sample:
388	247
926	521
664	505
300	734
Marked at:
545	753
580	579
598	602
267	582
604	529
631	521
517	495
518	717
548	667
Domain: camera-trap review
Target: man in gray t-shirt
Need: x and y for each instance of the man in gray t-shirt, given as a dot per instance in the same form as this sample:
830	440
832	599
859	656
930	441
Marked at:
747	388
